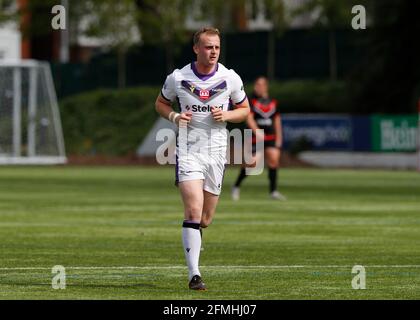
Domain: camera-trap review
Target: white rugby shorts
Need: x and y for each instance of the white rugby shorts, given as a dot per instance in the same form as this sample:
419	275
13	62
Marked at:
199	166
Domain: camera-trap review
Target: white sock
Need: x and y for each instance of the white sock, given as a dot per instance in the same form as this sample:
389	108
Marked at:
191	239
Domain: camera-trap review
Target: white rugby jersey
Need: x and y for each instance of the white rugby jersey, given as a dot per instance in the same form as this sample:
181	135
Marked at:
197	93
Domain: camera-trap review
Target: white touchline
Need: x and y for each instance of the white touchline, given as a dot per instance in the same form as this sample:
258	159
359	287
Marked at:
206	267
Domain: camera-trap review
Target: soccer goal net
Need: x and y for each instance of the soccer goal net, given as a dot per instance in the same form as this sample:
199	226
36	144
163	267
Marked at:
30	125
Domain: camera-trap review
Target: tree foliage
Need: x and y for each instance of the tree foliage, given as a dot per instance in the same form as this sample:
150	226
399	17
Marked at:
331	15
114	22
162	23
389	78
7	12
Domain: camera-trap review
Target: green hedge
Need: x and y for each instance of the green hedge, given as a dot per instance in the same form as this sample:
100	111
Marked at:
310	96
114	122
110	122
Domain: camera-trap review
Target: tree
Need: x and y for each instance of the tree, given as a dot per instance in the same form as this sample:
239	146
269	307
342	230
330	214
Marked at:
388	79
230	15
162	23
224	15
115	23
39	14
330	14
276	11
7	12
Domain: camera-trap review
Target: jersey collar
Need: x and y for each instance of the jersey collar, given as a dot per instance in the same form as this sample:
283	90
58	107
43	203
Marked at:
203	77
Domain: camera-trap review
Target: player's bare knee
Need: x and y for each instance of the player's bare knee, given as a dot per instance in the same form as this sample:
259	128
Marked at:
193	213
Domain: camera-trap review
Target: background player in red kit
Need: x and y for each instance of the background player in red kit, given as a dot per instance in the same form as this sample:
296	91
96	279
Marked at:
264	115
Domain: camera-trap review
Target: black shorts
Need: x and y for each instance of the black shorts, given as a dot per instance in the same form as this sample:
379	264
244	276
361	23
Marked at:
267	144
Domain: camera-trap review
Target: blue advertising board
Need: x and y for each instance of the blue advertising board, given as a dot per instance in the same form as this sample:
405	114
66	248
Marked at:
361	133
320	132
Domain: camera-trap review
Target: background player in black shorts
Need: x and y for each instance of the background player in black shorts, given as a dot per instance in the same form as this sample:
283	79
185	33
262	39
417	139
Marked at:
264	115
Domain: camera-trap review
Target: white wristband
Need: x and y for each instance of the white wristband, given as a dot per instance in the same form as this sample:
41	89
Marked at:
176	117
173	116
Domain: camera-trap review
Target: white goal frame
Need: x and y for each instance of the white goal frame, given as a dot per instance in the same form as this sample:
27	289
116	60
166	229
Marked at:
16	155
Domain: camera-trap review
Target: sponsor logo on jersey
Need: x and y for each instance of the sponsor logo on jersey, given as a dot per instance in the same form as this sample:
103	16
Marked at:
264	122
199	108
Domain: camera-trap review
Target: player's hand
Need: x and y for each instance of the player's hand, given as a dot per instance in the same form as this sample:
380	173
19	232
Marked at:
218	114
278	144
259	136
184	119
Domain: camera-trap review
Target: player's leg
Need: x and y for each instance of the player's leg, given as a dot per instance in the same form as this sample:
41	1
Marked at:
193	199
272	156
209	208
257	161
212	188
241	177
235	192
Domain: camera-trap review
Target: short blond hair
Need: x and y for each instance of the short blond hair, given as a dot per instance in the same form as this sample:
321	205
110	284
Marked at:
208	30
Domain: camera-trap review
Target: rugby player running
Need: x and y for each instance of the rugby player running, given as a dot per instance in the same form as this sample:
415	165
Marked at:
203	90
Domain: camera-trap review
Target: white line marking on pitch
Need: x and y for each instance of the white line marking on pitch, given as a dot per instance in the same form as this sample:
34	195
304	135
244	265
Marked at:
207	267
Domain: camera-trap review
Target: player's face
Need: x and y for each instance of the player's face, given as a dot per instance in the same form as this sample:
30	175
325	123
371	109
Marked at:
208	49
261	87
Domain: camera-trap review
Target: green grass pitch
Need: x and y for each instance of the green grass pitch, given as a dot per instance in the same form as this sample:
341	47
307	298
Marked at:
117	231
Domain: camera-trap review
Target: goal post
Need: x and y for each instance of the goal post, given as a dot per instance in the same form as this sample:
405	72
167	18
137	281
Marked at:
30	124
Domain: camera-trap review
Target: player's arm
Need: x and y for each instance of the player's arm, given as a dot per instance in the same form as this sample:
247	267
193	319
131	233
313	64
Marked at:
164	108
278	130
163	104
252	124
238	97
239	114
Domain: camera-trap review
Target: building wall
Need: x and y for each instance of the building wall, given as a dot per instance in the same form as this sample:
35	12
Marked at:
10	42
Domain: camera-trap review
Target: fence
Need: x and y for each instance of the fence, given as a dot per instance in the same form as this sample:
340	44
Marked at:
299	54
